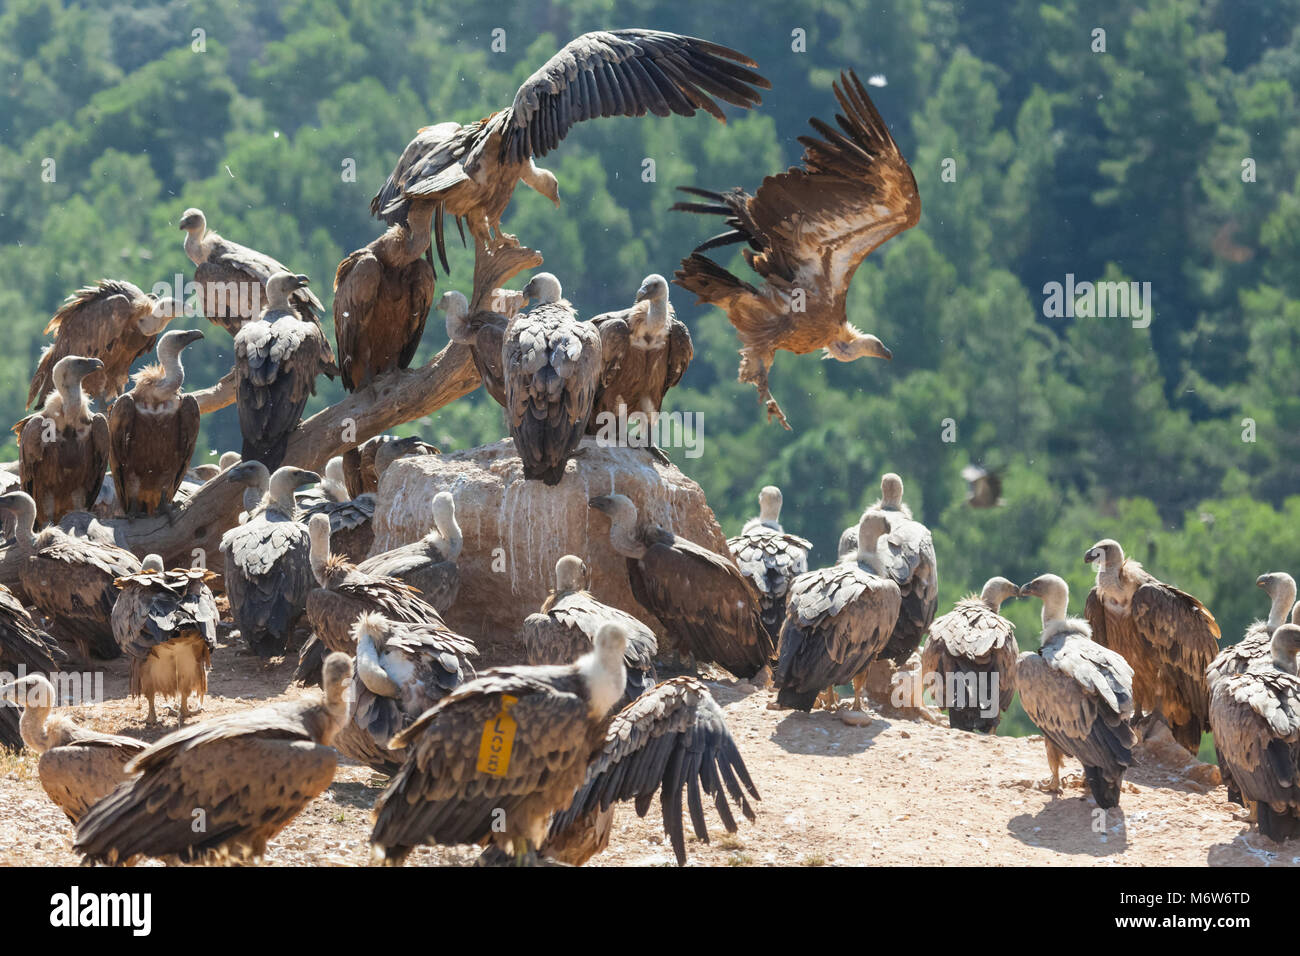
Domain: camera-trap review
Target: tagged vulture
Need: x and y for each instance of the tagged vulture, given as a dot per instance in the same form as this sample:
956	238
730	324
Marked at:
1167	636
24	649
769	558
166	624
153	430
552	367
69	579
364	464
382	294
63	450
429	564
701	598
251	773
972	651
837	620
483	333
561	747
1079	694
268	561
77	766
471	171
112	321
277	358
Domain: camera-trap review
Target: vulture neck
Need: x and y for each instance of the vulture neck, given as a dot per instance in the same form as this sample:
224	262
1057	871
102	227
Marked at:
33	724
606	679
623	535
320	552
199	247
371	669
173	378
446	536
992	600
1283	598
74	407
415	236
770	514
25	527
279	493
654	325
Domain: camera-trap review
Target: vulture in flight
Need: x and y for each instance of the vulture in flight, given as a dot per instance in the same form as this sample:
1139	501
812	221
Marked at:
1079	694
1167	636
701	598
483	333
807	230
277	358
769	558
471	171
429	564
113	321
500	754
166	624
77	766
552	366
25	648
364	464
63	449
972	649
382	294
984	487
153	430
250	772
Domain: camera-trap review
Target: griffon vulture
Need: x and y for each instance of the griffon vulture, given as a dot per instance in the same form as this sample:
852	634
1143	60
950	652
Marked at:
483	333
984	487
972	650
429	564
769	558
364	464
25	648
351	528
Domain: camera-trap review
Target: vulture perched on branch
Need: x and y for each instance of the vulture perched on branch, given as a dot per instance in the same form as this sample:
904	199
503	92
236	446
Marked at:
483	333
1167	636
63	450
769	558
807	231
1079	694
24	649
701	598
247	774
471	171
972	650
112	321
153	430
429	564
364	464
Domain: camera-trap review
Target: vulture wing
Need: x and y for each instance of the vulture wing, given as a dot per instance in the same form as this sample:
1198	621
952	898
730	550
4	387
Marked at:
78	774
22	643
1183	637
1256	718
356	291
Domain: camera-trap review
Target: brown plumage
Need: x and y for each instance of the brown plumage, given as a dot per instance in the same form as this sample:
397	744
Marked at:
972	654
483	333
429	564
808	229
364	464
352	530
25	649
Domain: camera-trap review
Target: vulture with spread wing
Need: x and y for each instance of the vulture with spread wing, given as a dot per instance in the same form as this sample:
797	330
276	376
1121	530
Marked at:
769	558
429	564
25	648
972	651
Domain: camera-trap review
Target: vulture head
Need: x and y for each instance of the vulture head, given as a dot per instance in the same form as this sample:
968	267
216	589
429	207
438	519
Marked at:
458	325
33	691
194	222
1281	588
21	505
543	289
603	669
542	181
997	590
622	523
336	675
318	530
444	520
1284	647
334	484
654	287
1106	554
285	480
1053	592
152	562
891	492
172	344
206	471
769	504
390	451
856	345
250	473
71	369
570	574
161	311
282	285
229	460
371	633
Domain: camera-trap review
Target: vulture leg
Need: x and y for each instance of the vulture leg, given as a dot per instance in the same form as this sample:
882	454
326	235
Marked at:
1054	759
856	716
753	369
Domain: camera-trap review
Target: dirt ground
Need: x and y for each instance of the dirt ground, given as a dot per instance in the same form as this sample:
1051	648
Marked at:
896	792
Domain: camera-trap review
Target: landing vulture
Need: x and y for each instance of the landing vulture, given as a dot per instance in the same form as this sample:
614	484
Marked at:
483	333
972	650
112	321
63	449
153	430
429	564
552	365
471	171
1167	636
250	773
166	624
808	229
1079	694
25	649
769	558
364	464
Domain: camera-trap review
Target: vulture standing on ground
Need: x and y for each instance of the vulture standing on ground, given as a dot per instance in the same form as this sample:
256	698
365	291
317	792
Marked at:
808	229
701	598
769	558
364	464
972	650
69	579
1167	636
166	623
251	773
153	430
63	450
382	294
77	766
24	649
351	528
1079	694
112	321
483	333
429	564
562	748
471	171
552	365
277	358
268	561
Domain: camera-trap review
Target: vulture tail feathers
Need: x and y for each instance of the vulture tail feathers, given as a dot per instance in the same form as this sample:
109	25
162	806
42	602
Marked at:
797	700
1104	790
1278	827
708	280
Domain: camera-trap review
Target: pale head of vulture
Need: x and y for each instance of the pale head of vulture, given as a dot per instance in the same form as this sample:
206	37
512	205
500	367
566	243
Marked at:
1106	554
456	306
170	347
1281	588
653	287
371	633
603	669
161	312
282	285
997	590
570	574
870	529
68	373
1284	647
152	562
318	531
622	523
449	539
769	505
543	289
1052	590
891	492
229	460
23	508
253	474
542	181
194	222
855	346
390	451
33	693
336	677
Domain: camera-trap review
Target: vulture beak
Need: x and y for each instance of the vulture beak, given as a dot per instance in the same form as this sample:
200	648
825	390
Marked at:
527	293
642	294
600	503
302	281
1259	581
1091	555
1028	590
190	335
306	477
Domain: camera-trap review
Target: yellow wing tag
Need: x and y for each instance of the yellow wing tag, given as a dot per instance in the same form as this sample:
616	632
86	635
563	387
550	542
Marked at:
498	740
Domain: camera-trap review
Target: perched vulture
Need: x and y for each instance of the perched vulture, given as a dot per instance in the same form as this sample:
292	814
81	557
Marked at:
837	620
1256	717
277	358
808	229
112	321
471	171
268	561
972	649
69	579
483	333
351	530
701	598
984	487
429	564
1079	694
769	558
77	766
565	629
63	450
561	747
153	430
552	366
364	464
251	773
1167	636
166	624
382	294
24	649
